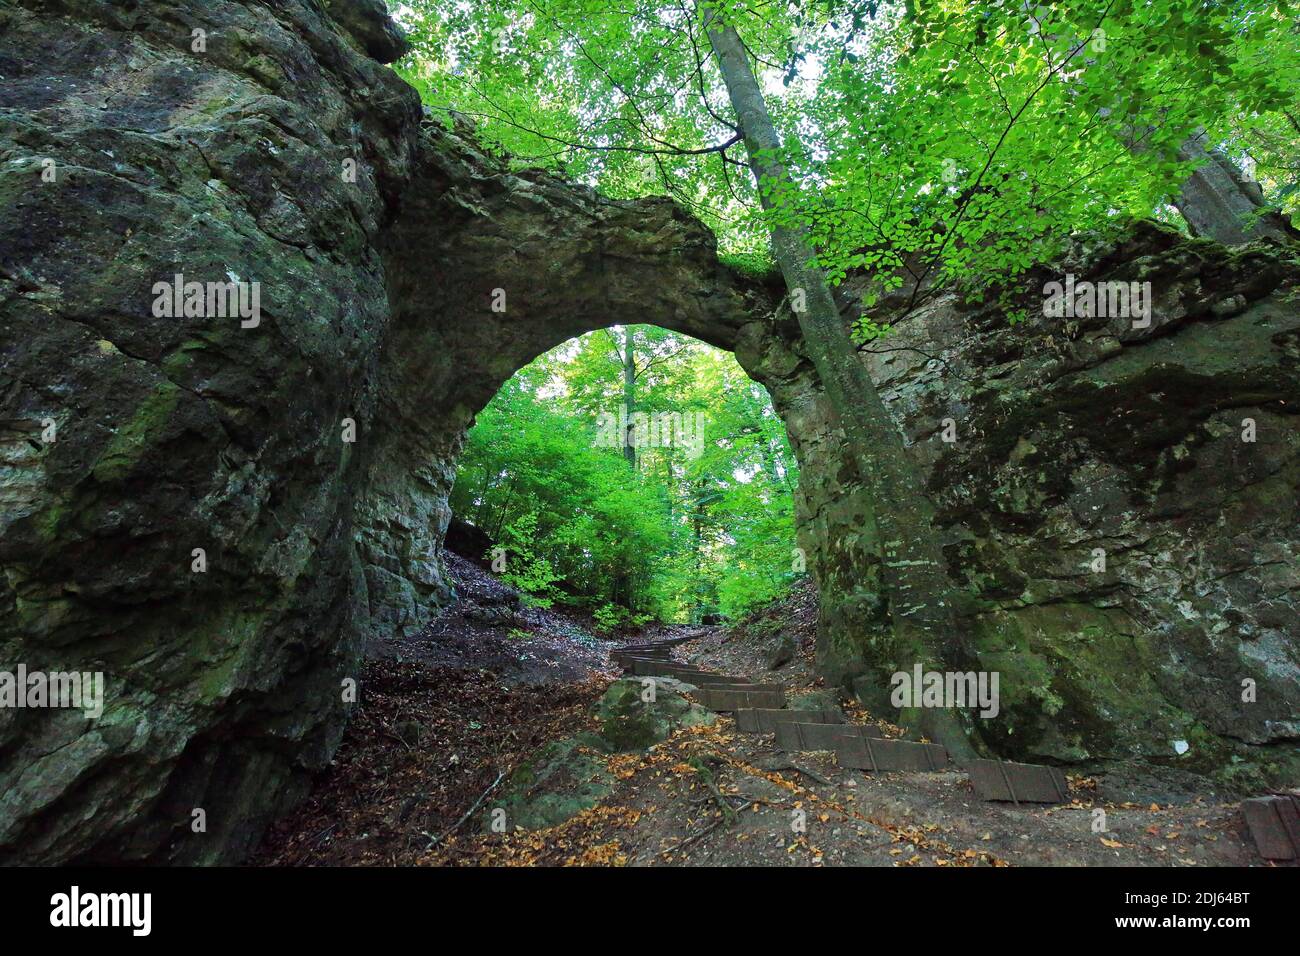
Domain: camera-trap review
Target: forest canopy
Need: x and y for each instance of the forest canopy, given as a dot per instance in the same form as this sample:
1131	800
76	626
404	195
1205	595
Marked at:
965	138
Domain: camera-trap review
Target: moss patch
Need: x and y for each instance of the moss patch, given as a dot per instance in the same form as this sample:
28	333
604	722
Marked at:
565	778
129	444
1075	683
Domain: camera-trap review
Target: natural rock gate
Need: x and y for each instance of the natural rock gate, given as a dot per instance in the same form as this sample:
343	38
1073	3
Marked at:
182	434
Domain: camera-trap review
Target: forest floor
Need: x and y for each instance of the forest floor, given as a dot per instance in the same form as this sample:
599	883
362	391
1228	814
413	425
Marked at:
447	716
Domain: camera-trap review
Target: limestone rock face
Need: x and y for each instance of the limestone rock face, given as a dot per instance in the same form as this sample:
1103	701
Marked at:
403	276
215	140
1120	503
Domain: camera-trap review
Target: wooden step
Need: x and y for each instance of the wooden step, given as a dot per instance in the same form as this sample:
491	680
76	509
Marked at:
1018	782
737	698
705	679
803	735
684	673
861	747
1274	822
756	720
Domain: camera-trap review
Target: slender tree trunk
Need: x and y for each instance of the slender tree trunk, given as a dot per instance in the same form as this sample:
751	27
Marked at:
623	589
769	453
504	511
697	530
629	396
922	599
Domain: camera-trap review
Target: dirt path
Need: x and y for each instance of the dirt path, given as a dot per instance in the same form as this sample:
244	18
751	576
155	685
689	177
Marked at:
488	684
715	797
489	628
441	715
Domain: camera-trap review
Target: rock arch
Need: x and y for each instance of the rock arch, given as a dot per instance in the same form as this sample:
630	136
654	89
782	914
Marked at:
284	154
488	268
224	687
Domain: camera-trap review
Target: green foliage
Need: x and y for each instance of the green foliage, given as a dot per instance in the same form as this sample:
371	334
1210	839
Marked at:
704	522
568	514
607	618
527	570
591	89
941	140
969	139
610	618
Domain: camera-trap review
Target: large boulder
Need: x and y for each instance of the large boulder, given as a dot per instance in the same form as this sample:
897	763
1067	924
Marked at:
571	775
637	713
564	778
782	651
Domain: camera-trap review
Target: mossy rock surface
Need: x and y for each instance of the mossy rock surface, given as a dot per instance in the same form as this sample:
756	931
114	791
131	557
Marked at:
571	775
629	721
815	700
566	777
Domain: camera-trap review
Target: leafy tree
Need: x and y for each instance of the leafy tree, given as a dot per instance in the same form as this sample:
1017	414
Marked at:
960	140
701	521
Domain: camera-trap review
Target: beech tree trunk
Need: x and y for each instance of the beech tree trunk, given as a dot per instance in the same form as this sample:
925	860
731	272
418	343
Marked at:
922	599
